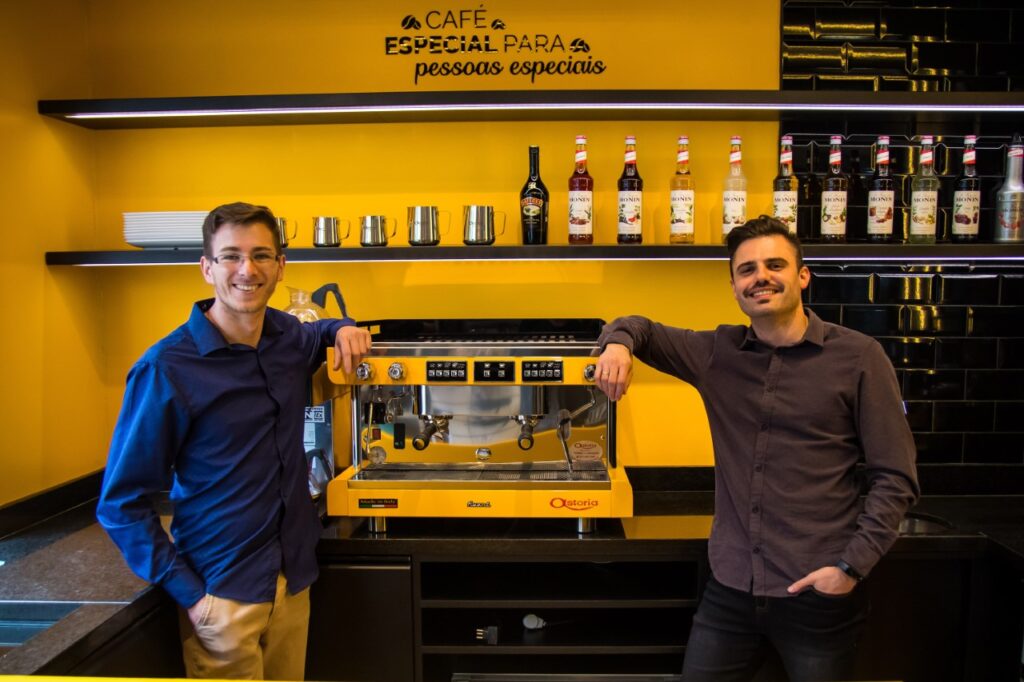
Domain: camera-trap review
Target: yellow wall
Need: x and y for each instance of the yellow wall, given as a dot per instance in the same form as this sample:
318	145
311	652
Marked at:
146	48
52	423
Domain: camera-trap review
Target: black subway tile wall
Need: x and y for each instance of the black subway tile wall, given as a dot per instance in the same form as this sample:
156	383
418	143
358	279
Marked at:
955	334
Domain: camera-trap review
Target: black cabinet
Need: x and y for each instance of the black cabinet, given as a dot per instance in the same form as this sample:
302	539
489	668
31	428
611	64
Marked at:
361	622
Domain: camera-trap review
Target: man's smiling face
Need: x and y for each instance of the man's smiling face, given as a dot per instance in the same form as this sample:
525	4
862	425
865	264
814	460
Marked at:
765	278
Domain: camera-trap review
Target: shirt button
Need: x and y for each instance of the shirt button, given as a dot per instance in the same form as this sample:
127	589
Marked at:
757	550
758	468
764	427
771	387
755	509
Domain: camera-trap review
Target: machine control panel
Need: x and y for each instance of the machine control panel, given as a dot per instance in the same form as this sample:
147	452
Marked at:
493	370
446	370
545	370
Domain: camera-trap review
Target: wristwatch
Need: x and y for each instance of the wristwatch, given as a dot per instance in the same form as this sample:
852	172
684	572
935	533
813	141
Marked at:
849	570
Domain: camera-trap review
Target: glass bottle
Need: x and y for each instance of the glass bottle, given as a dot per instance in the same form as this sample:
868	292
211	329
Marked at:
810	192
631	198
967	197
581	198
786	188
680	222
533	203
734	190
1010	197
834	190
881	196
924	197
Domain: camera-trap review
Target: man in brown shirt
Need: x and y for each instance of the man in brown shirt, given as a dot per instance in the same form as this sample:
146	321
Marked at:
793	404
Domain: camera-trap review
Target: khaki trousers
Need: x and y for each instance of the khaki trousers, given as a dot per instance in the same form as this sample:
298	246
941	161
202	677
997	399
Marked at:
238	640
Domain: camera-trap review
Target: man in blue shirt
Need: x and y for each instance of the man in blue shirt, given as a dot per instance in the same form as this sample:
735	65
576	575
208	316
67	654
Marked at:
215	411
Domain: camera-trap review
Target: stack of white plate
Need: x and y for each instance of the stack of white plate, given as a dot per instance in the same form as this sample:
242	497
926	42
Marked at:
163	229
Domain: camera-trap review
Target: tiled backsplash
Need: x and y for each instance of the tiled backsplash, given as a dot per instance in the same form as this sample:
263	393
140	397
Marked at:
955	334
902	45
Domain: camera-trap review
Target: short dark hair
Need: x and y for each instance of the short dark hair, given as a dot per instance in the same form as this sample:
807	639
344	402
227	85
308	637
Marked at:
762	226
238	213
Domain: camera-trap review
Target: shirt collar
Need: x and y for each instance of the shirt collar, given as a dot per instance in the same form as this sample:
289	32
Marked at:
208	338
814	334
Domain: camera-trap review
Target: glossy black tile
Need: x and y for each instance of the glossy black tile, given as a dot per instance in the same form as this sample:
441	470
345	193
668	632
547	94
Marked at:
931	320
939	447
933	385
829	288
1011	354
828	313
966	353
995	384
1012	290
910	352
874	320
919	415
995	448
1010	416
977	479
968	289
1001	321
904	288
964	416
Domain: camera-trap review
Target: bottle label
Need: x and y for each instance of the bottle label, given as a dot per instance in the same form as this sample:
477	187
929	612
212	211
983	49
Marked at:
970	157
531	206
630	209
881	206
966	212
926	157
1010	218
581	213
784	208
833	212
734	209
631	157
835	157
736	156
683	156
1015	151
786	156
882	157
681	211
581	156
923	210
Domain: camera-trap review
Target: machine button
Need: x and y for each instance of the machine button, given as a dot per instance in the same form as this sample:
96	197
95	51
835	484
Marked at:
487	373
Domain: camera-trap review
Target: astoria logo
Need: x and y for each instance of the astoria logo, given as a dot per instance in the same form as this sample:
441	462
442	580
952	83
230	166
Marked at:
573	504
475	505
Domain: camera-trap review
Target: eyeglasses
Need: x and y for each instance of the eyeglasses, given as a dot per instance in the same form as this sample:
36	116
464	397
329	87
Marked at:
234	260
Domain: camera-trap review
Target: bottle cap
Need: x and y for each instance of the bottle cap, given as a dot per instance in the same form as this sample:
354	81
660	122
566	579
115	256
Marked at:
684	139
581	139
787	139
836	139
883	139
927	139
970	139
630	139
736	139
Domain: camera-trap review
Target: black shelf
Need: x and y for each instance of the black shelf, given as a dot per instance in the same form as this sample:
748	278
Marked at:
958	253
552	650
539	603
499	105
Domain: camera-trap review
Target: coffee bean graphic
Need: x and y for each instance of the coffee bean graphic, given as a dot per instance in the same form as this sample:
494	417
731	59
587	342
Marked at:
497	24
410	23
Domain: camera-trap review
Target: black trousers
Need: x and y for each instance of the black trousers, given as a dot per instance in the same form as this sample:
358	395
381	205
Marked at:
814	634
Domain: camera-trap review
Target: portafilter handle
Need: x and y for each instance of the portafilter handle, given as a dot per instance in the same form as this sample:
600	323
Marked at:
422	439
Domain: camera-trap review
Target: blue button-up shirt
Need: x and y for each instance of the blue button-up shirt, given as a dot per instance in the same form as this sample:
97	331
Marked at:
221	424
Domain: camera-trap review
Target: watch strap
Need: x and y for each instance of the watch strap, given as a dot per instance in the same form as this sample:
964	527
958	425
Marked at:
849	570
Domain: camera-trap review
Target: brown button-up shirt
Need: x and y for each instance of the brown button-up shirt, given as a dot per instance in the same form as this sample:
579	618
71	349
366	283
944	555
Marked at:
788	426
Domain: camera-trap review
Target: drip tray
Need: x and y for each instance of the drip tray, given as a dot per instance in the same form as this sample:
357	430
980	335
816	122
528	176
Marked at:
534	475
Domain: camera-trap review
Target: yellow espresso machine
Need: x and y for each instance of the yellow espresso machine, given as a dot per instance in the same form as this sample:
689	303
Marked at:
478	418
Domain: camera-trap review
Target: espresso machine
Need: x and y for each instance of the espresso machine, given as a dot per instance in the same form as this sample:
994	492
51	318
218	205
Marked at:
478	418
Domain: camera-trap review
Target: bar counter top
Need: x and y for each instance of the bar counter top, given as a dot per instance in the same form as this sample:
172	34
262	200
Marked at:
69	558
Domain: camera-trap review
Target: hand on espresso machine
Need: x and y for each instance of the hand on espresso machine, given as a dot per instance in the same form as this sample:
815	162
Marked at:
350	345
614	370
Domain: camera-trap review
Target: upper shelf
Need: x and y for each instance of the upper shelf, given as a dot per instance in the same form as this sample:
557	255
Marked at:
505	105
842	253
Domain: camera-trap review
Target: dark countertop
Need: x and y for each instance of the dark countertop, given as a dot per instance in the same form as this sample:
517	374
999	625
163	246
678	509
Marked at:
69	558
